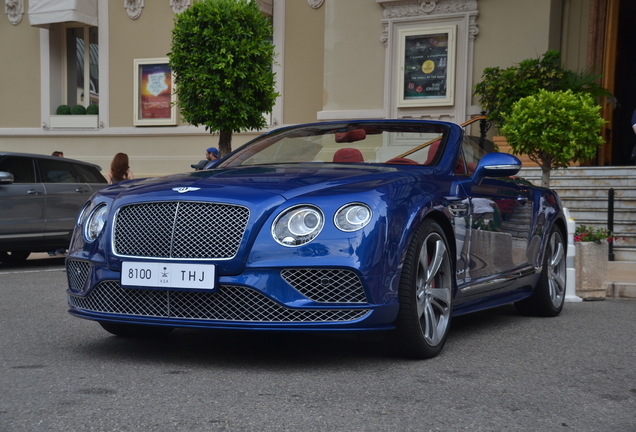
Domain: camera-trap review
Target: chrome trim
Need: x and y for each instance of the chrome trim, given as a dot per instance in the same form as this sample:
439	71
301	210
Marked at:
501	167
43	235
517	274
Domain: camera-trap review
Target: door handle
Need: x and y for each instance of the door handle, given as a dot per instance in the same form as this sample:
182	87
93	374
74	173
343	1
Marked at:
80	190
34	192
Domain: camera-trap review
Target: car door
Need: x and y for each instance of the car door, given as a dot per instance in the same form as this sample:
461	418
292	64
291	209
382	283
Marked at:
66	193
498	226
90	175
22	204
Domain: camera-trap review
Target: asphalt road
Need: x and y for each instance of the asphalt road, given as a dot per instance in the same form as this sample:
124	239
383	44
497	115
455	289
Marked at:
498	372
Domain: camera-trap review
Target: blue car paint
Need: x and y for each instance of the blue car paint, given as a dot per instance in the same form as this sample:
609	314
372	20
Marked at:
400	197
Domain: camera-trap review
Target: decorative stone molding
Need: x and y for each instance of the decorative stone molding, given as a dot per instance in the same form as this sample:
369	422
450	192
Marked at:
419	8
133	8
473	30
179	6
14	10
315	3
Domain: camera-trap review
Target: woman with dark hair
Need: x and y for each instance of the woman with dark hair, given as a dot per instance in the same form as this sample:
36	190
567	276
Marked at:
119	169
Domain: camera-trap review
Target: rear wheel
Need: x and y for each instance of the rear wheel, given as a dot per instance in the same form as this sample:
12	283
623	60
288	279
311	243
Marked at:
135	330
549	294
14	257
426	291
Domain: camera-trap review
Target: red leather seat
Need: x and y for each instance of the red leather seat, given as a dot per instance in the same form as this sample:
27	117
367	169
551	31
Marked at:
432	152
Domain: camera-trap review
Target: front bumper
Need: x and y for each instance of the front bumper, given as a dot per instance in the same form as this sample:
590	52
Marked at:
313	299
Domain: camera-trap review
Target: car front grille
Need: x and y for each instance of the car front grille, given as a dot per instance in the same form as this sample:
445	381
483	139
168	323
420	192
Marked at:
229	303
326	285
179	230
77	273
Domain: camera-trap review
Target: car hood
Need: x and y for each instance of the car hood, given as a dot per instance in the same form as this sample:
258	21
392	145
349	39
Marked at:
259	182
263	189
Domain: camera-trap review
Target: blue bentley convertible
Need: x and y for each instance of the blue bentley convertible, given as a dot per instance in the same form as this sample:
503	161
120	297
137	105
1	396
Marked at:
390	225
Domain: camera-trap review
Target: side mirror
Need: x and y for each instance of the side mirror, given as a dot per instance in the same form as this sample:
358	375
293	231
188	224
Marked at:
6	178
496	165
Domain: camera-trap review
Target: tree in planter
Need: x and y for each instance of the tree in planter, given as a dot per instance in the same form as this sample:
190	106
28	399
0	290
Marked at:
500	88
222	58
554	129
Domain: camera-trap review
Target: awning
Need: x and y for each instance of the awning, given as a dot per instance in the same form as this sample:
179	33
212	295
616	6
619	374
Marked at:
42	13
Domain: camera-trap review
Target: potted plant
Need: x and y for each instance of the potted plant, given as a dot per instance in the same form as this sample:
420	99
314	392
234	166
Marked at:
590	261
76	117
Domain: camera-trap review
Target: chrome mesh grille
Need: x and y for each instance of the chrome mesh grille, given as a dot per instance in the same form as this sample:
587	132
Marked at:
326	285
77	273
179	230
229	303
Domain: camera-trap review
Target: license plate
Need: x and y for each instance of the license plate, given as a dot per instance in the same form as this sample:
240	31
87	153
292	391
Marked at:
168	275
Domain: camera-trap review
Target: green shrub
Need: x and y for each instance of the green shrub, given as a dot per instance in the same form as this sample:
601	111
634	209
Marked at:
63	110
500	88
554	129
78	110
92	110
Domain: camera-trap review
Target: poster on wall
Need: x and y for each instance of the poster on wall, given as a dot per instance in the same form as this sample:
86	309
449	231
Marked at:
154	93
427	57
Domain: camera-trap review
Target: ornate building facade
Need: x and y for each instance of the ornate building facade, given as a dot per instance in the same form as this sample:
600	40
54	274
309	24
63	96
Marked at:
335	60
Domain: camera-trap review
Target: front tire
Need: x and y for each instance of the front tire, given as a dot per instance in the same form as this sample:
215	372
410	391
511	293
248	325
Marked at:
549	294
135	330
425	293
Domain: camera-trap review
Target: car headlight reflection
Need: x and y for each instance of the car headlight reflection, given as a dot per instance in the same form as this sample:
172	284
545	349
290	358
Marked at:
298	225
95	223
83	213
352	217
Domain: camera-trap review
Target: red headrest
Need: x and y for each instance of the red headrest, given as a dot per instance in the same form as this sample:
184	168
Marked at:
348	155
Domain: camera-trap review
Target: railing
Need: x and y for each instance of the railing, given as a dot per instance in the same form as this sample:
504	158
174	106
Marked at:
610	221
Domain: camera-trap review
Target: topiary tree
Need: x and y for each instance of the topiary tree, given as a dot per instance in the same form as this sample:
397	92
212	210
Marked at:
92	110
63	110
554	129
78	110
500	88
222	58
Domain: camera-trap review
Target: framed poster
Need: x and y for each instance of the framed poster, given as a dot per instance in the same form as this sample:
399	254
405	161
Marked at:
154	93
427	66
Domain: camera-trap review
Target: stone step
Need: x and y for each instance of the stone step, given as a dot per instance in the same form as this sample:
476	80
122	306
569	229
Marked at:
622	216
599	172
620	194
624	255
584	191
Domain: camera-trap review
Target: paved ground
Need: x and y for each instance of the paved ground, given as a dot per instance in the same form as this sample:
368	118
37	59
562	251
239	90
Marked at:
499	371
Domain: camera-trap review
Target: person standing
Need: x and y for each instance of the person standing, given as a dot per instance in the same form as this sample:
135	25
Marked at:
119	169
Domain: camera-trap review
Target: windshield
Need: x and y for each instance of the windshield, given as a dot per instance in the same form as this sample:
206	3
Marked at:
402	143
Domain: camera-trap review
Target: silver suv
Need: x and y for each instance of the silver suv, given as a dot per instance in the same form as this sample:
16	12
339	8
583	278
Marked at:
40	198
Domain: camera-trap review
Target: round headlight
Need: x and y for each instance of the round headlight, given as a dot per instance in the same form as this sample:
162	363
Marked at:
352	217
298	225
95	223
